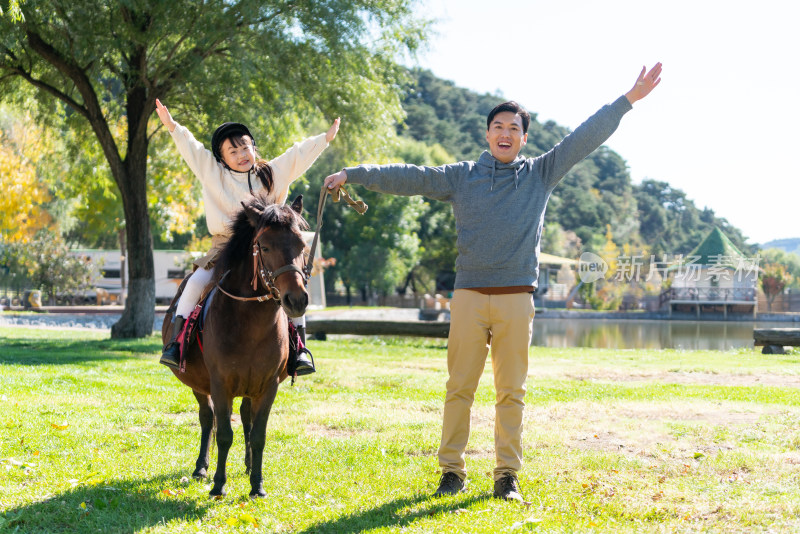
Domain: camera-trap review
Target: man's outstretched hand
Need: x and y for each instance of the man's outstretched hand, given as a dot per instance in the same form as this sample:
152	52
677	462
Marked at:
334	181
644	83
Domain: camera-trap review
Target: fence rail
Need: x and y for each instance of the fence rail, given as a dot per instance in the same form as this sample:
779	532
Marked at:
709	294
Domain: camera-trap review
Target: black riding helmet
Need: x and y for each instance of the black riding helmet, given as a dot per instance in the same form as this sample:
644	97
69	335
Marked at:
226	131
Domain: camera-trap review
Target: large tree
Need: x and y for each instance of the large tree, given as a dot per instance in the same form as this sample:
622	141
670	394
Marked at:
107	61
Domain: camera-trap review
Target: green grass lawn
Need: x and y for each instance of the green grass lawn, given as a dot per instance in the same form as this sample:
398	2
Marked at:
96	436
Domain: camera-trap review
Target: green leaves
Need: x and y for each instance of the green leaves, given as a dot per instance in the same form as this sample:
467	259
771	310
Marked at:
14	13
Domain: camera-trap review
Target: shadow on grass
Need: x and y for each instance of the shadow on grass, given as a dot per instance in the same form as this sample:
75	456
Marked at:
34	351
120	506
393	513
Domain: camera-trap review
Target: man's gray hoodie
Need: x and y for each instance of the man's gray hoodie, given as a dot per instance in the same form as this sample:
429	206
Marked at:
499	207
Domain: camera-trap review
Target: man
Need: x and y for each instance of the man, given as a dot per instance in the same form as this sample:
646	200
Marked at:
499	204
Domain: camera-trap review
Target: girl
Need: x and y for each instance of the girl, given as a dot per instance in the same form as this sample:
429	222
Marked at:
231	172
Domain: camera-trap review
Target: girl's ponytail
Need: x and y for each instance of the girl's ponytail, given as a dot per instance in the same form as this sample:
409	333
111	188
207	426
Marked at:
263	170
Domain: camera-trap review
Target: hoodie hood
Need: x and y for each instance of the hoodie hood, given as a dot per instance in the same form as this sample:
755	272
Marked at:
493	165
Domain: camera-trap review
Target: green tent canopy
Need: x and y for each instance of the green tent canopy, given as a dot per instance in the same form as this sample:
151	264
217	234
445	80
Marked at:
716	249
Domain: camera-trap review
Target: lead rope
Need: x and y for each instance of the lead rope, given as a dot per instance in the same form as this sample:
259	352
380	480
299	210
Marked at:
323	196
337	194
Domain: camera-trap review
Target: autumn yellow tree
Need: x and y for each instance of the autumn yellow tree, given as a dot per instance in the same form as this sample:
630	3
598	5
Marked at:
610	253
22	213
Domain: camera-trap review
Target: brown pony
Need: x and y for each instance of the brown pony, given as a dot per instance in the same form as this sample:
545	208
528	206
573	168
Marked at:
245	340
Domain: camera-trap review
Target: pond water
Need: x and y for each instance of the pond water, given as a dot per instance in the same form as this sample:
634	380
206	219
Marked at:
633	334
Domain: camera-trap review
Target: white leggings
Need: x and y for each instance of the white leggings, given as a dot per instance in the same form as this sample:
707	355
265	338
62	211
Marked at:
194	288
191	293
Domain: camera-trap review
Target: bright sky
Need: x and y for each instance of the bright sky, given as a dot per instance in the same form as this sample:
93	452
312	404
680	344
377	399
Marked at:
723	125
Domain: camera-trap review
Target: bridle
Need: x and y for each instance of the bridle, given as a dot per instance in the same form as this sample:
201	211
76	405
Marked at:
266	276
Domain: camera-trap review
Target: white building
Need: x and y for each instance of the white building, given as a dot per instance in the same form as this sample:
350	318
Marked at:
170	268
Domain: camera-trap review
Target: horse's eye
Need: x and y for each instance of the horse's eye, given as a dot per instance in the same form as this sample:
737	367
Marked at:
264	249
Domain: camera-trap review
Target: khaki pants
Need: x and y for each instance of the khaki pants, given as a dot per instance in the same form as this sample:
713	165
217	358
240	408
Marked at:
473	318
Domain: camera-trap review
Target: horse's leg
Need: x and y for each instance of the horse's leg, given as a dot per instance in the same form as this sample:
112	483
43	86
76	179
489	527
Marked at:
206	427
247	425
258	436
223	405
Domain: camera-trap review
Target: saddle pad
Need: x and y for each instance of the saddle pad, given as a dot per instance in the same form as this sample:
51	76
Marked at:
193	327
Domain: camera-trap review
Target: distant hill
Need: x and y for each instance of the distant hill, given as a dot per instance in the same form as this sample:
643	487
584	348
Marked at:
791	245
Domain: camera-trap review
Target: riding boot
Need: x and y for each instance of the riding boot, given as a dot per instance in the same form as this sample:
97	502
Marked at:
171	355
305	360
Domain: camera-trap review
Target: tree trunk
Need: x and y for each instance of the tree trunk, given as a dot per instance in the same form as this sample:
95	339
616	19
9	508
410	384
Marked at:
401	290
138	317
123	269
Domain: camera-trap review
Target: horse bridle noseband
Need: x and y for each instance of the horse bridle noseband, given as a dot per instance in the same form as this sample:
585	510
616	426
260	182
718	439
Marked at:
267	277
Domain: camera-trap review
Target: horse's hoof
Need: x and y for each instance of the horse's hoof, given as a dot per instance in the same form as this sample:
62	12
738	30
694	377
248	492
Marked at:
259	494
217	492
199	474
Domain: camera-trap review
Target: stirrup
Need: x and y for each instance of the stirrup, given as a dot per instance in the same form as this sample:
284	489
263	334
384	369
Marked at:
169	356
304	367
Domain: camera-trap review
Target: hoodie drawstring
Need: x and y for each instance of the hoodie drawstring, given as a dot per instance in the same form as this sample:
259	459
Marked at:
494	169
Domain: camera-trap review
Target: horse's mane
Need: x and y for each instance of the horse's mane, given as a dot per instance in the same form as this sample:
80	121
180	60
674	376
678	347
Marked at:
242	231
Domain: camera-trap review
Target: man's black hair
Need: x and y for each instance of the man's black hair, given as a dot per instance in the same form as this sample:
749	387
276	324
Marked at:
514	108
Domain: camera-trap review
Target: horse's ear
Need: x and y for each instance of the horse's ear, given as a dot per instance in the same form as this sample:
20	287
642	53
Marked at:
297	205
253	214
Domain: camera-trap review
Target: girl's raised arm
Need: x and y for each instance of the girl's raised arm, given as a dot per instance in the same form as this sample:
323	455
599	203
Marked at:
199	159
333	130
166	118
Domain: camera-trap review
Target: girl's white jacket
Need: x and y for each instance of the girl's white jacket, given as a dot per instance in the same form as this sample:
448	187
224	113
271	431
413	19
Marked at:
224	190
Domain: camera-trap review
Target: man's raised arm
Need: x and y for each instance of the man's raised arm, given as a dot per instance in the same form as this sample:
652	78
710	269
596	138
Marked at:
438	183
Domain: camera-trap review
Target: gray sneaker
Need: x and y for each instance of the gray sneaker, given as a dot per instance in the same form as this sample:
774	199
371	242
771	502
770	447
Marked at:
507	488
449	484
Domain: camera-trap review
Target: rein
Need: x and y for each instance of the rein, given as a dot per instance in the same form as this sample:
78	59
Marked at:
337	193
